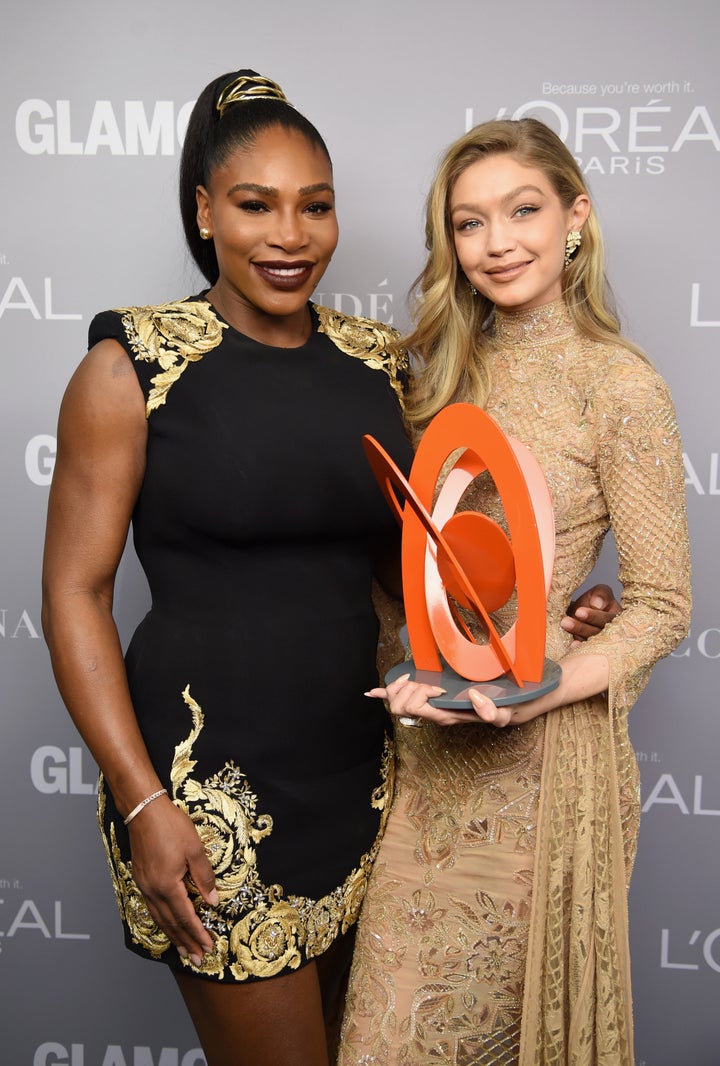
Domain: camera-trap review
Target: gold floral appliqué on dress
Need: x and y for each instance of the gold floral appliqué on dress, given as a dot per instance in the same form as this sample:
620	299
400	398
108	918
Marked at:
373	342
171	335
258	931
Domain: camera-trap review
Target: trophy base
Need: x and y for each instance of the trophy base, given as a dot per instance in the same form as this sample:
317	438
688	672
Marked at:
501	690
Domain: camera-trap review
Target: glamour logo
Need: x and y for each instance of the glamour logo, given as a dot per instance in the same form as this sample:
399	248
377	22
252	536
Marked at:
40	458
58	128
666	791
705	948
378	304
54	770
55	1054
18	297
706	643
17	624
28	918
607	140
705	478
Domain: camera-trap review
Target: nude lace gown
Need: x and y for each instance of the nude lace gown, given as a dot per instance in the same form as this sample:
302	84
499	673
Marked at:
494	930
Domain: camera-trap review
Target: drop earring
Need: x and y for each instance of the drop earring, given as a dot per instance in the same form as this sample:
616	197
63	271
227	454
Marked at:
572	243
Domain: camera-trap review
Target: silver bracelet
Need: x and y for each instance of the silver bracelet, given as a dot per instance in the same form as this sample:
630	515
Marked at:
144	803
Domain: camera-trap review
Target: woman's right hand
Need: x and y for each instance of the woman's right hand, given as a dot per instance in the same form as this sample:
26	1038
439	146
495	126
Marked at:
166	849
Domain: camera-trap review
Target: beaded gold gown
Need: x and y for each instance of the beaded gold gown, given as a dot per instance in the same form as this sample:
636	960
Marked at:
494	930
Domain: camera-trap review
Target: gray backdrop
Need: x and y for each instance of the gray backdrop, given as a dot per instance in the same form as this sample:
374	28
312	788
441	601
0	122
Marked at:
91	114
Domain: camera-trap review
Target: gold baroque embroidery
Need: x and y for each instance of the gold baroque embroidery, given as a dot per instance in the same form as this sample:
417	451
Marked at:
171	335
366	339
257	931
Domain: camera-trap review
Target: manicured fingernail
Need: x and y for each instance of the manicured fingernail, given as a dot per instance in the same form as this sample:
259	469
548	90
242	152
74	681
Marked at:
182	952
213	898
405	677
196	960
596	602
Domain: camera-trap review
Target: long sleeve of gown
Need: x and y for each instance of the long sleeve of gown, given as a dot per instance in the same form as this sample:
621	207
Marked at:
640	467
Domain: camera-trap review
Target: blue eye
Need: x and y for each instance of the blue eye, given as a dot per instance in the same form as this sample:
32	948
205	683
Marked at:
471	223
525	210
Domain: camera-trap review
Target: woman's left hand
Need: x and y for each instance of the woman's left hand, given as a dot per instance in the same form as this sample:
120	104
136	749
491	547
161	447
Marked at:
581	677
408	703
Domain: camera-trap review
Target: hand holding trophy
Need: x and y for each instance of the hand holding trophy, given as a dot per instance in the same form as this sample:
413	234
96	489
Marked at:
464	559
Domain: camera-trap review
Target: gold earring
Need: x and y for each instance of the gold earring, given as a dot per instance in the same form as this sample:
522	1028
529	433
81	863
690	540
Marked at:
572	243
205	233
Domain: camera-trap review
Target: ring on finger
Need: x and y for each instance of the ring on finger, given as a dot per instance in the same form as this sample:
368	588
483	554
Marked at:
409	720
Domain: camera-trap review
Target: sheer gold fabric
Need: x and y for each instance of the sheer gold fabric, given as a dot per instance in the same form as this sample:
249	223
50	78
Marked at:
495	926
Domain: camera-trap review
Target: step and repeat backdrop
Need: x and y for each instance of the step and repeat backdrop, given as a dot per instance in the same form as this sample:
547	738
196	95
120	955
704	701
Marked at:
93	110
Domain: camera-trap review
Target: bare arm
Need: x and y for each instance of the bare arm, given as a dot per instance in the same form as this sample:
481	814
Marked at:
100	465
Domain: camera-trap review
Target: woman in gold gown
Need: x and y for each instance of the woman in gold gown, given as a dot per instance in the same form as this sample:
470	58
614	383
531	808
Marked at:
494	930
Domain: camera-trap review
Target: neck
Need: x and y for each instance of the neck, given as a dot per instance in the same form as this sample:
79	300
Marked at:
278	331
549	322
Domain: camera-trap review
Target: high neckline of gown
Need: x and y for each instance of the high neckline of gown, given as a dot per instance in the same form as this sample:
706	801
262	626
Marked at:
539	325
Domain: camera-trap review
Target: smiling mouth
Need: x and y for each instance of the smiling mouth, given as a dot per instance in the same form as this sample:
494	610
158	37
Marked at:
501	273
285	275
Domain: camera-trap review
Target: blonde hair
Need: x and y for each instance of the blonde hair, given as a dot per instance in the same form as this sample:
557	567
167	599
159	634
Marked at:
448	337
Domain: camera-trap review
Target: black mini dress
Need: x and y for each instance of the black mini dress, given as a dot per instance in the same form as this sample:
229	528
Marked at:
256	525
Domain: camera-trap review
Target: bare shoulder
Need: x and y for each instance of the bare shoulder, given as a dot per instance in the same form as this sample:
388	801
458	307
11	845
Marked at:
104	394
102	429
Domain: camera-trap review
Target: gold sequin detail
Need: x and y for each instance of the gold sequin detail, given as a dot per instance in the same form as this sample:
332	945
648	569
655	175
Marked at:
258	931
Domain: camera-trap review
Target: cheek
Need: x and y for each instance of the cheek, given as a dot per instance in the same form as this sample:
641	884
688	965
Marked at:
332	239
462	251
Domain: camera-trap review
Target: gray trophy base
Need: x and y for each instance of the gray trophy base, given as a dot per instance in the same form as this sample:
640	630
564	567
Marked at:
501	690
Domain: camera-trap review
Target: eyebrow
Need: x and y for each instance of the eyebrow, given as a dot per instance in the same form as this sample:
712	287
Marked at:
510	196
270	190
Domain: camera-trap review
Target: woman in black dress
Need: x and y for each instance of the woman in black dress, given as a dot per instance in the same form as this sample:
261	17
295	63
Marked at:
245	774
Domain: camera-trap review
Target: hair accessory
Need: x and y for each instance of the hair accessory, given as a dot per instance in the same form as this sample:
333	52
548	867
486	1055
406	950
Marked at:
143	803
205	233
572	243
249	87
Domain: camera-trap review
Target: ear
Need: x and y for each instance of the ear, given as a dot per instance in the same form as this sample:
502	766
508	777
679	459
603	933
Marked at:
578	213
204	214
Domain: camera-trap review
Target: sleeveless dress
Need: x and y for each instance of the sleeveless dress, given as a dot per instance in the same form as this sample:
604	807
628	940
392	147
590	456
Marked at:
256	526
494	930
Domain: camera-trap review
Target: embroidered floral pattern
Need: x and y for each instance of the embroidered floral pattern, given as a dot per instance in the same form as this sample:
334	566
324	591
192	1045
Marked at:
373	342
173	336
258	931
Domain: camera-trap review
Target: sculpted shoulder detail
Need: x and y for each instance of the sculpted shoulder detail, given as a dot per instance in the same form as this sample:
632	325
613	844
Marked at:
171	335
373	342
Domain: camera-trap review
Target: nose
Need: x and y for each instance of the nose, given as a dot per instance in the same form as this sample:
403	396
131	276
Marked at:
499	238
288	232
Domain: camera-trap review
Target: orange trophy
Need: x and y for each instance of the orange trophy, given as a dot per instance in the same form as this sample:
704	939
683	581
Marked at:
453	560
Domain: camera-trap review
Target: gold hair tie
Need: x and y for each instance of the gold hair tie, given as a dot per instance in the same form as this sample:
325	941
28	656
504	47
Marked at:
249	87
